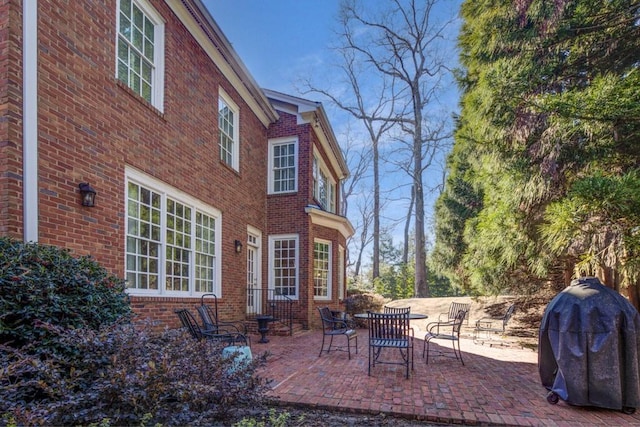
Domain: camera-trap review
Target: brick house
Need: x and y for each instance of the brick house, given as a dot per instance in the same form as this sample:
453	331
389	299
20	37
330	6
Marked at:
205	182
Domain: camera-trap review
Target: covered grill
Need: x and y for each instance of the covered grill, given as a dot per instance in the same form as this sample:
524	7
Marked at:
589	347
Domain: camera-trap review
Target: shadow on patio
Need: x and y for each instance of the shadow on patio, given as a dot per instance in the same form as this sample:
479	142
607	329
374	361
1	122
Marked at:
498	385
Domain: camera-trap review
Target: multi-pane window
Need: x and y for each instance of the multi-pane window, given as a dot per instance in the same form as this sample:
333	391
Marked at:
324	189
282	166
139	50
228	125
341	273
322	270
143	238
284	265
172	245
178	247
205	252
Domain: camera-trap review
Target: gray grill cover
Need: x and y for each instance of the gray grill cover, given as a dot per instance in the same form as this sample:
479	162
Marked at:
589	347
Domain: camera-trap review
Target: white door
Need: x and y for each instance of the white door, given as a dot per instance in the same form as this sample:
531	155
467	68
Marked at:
254	292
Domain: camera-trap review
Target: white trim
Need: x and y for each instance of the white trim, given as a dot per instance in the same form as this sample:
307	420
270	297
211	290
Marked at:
147	181
157	84
329	244
341	273
236	127
252	231
30	120
210	37
280	141
329	220
272	240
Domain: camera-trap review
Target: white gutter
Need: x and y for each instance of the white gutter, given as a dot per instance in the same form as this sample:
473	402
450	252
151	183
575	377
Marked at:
30	119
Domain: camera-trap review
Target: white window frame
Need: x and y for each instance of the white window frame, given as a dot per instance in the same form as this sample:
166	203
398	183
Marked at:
273	262
326	273
235	150
274	142
320	171
167	192
341	271
157	72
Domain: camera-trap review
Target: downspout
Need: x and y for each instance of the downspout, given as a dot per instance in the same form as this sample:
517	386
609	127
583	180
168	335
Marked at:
30	119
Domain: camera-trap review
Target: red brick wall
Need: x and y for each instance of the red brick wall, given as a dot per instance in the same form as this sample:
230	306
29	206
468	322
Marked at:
91	126
10	122
287	214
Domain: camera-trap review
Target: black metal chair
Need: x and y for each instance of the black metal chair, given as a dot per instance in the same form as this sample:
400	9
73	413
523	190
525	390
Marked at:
390	330
399	310
212	321
210	326
454	308
332	327
449	331
223	337
487	326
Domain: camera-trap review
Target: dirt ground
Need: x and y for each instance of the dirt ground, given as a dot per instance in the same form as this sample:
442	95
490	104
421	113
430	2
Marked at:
522	328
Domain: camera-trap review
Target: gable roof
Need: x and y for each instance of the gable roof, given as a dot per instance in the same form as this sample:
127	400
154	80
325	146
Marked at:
197	19
313	112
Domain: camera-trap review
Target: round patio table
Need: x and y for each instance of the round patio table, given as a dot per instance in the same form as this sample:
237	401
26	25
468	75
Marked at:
412	316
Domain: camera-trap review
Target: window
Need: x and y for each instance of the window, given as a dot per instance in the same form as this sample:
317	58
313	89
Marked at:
341	277
172	244
228	125
284	265
321	270
283	165
140	50
324	189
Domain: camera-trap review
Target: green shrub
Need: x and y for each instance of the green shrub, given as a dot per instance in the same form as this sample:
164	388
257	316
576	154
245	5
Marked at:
44	285
127	375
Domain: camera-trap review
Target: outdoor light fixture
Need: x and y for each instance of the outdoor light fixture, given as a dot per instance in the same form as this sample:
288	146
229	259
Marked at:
238	245
88	194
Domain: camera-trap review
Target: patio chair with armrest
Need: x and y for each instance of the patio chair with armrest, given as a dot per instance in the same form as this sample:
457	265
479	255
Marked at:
210	326
454	308
332	327
488	325
221	336
449	331
399	310
390	331
213	321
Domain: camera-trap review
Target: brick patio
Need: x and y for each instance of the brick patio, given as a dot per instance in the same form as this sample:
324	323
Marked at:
497	385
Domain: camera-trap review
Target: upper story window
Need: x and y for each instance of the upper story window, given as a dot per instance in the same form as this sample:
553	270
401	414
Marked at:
321	269
140	50
172	241
283	165
324	188
228	123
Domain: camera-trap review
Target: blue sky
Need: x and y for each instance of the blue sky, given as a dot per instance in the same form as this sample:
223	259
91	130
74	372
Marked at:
276	39
281	41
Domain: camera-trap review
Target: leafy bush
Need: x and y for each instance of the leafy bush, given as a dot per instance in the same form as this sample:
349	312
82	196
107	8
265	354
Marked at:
127	375
44	285
359	302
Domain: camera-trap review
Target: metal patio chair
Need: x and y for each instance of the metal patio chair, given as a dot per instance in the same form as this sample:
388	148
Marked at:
449	331
332	327
223	337
390	331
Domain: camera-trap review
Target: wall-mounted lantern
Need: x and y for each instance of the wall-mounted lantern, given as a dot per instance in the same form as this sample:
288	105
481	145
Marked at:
88	194
238	246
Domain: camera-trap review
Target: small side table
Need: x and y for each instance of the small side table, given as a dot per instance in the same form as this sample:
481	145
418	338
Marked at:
263	327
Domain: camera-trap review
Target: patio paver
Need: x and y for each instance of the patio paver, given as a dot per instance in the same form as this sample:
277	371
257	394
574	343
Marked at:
496	386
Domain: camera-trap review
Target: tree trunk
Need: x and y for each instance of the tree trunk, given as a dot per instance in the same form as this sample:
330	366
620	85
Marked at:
376	212
407	227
